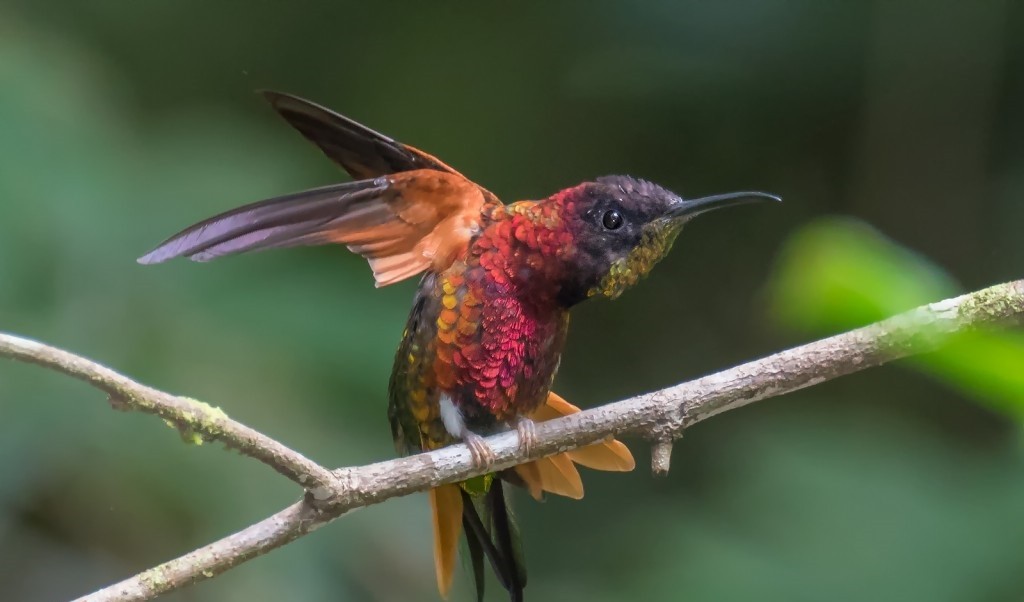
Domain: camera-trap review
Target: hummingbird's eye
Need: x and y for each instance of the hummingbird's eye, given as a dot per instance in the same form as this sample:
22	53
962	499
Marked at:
612	219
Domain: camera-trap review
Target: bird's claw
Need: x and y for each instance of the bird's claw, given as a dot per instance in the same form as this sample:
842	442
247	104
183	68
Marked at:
483	456
527	434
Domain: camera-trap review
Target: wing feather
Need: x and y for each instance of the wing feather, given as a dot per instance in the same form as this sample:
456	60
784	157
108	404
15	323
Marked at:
402	224
362	152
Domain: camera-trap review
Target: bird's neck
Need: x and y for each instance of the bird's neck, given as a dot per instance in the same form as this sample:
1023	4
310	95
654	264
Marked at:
523	252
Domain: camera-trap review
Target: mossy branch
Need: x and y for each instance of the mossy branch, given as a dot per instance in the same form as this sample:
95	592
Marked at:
660	416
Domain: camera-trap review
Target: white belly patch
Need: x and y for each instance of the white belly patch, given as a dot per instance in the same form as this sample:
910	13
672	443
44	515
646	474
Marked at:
451	416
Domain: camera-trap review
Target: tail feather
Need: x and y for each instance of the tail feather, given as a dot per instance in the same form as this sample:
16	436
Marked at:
612	456
481	544
508	541
528	477
447	510
476	554
557	474
493	532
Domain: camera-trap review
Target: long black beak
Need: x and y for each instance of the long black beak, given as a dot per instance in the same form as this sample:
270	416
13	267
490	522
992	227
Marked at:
691	207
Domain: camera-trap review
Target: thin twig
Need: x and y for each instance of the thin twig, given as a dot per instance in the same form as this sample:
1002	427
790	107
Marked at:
665	412
661	457
195	420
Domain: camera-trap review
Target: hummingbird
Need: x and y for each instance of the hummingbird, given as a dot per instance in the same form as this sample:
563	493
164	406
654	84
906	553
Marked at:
489	320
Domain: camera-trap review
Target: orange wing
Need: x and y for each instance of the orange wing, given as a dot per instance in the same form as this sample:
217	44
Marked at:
403	223
363	152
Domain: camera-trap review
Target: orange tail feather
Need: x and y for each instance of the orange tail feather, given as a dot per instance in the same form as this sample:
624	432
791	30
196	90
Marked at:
557	474
446	508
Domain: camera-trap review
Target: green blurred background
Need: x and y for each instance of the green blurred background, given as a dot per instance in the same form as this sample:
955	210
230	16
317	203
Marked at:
894	130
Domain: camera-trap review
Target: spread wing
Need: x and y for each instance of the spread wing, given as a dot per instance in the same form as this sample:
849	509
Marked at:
402	223
363	152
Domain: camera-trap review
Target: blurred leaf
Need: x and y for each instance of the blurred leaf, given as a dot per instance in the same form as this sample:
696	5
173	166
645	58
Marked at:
988	366
840	273
837	274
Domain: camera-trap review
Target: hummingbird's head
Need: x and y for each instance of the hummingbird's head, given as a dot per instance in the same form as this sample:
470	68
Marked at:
621	226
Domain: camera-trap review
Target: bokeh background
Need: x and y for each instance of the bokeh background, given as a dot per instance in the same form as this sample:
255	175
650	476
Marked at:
894	130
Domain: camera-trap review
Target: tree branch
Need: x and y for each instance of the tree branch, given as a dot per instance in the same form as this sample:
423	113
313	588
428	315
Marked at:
196	421
660	416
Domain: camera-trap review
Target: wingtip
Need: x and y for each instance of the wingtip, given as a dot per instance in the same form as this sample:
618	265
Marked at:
157	255
268	94
149	259
276	98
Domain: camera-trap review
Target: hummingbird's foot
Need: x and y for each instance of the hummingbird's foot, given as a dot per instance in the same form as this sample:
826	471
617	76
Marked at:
527	434
483	456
